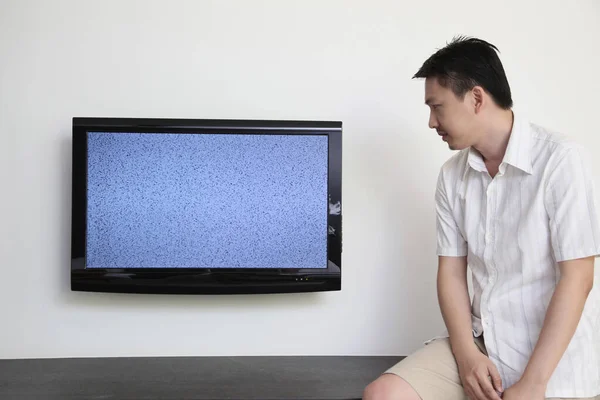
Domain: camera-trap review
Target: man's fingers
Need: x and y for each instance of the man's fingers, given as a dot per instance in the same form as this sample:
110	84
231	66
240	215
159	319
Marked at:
489	392
496	380
476	390
487	388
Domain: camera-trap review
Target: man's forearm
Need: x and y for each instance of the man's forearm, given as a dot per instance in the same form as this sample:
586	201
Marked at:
455	306
562	317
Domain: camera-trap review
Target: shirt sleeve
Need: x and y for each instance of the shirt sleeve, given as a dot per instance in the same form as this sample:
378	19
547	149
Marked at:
450	241
571	205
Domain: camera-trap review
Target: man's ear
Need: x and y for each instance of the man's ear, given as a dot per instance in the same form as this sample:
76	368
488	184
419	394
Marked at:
478	98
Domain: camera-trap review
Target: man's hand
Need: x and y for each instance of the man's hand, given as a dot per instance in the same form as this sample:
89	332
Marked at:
479	376
525	391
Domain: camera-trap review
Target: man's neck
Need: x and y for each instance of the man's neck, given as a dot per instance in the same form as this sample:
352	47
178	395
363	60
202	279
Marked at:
495	139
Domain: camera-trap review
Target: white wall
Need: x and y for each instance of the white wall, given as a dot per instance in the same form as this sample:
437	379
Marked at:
334	60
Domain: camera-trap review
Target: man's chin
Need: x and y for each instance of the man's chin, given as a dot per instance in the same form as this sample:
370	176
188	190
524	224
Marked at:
454	146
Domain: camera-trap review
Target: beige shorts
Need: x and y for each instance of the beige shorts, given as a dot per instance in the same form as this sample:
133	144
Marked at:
433	373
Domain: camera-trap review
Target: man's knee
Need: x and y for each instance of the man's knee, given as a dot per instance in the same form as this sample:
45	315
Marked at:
388	387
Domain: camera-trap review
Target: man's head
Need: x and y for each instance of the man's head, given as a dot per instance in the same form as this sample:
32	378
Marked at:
465	85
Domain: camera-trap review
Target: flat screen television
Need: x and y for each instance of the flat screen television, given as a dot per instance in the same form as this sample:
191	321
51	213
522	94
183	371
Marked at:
196	206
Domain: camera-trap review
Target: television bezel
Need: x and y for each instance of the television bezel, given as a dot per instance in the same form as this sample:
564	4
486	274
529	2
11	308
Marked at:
203	280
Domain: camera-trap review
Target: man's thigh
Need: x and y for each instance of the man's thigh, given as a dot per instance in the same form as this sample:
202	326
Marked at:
432	371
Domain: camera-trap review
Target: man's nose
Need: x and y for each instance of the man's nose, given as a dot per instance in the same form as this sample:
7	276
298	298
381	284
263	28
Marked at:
433	123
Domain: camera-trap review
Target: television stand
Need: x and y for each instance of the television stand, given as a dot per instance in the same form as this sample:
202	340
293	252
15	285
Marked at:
199	378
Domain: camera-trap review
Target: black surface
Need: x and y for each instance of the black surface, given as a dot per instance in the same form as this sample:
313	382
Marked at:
251	378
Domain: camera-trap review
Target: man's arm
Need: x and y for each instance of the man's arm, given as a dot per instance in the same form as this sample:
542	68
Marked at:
562	317
474	367
455	305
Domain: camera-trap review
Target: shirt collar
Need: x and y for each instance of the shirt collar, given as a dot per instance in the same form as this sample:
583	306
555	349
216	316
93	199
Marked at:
475	160
518	150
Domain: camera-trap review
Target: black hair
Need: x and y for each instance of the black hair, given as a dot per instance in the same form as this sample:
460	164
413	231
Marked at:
468	62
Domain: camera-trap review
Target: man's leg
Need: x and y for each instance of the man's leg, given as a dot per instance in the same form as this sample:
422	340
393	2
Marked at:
430	373
390	386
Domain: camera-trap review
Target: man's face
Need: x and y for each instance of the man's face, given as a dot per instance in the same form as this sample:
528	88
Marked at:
454	119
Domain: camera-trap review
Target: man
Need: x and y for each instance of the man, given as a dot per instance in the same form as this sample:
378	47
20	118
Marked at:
516	204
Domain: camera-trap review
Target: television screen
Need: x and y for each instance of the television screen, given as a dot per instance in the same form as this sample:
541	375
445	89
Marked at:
175	200
206	206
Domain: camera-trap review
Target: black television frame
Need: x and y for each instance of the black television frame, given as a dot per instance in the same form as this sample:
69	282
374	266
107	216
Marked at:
200	280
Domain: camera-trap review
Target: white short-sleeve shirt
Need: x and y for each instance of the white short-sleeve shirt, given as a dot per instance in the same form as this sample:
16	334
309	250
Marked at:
514	229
